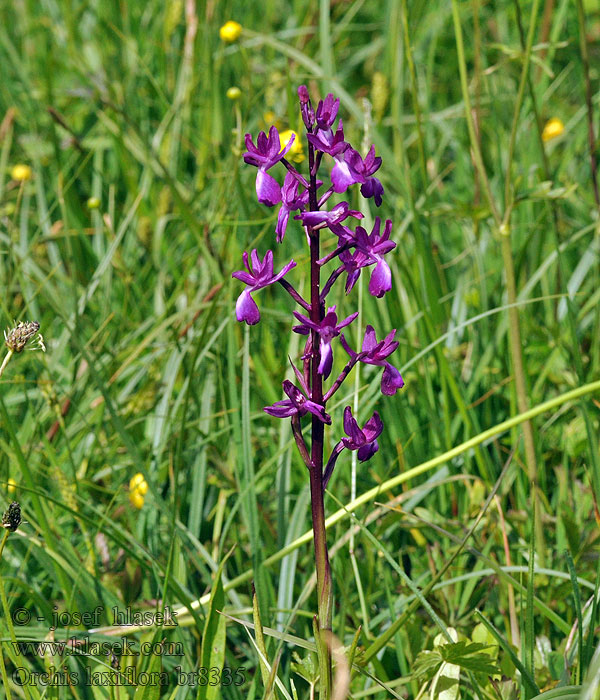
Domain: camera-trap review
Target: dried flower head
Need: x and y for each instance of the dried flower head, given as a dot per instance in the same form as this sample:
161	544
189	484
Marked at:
16	338
12	517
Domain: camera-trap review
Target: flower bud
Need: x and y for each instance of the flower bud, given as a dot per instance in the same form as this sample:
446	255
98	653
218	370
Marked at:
308	113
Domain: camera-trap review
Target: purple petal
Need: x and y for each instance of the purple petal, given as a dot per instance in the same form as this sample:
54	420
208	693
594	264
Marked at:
246	309
369	340
281	409
282	272
346	347
373	427
367	451
381	279
282	221
373	188
351	428
347	321
257	265
267	189
245	277
326	362
391	380
317	411
342	177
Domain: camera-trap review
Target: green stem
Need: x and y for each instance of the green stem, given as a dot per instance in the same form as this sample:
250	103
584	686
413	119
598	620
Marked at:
415	96
516	349
6	360
518	105
562	269
514	332
462	68
2	664
318	429
588	99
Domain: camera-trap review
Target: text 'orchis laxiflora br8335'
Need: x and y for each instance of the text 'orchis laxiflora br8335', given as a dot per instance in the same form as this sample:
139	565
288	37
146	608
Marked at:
354	250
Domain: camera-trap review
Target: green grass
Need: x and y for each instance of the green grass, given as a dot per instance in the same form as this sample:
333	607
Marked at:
146	369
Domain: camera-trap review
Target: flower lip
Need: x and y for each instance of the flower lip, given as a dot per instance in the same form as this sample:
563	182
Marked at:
365	440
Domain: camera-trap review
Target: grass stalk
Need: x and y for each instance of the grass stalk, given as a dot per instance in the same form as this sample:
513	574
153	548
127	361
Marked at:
588	100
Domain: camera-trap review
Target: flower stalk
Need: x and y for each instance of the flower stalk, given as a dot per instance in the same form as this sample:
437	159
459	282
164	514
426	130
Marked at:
356	250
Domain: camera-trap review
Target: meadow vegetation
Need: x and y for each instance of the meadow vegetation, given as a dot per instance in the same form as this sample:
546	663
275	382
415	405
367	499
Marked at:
464	555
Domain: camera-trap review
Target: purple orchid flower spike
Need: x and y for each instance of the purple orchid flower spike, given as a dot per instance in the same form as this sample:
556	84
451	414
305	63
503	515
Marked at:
296	404
356	249
374	246
258	275
264	155
365	440
328	329
352	169
375	353
291	201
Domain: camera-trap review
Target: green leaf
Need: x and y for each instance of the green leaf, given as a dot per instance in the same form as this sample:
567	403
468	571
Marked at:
212	655
471	656
427	664
153	666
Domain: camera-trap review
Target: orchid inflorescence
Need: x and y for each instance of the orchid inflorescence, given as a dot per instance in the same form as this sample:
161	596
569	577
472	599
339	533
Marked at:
355	249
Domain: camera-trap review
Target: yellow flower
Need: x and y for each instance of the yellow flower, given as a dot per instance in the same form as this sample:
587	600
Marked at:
21	172
93	203
138	483
230	31
234	93
138	488
554	127
295	153
12	486
136	498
